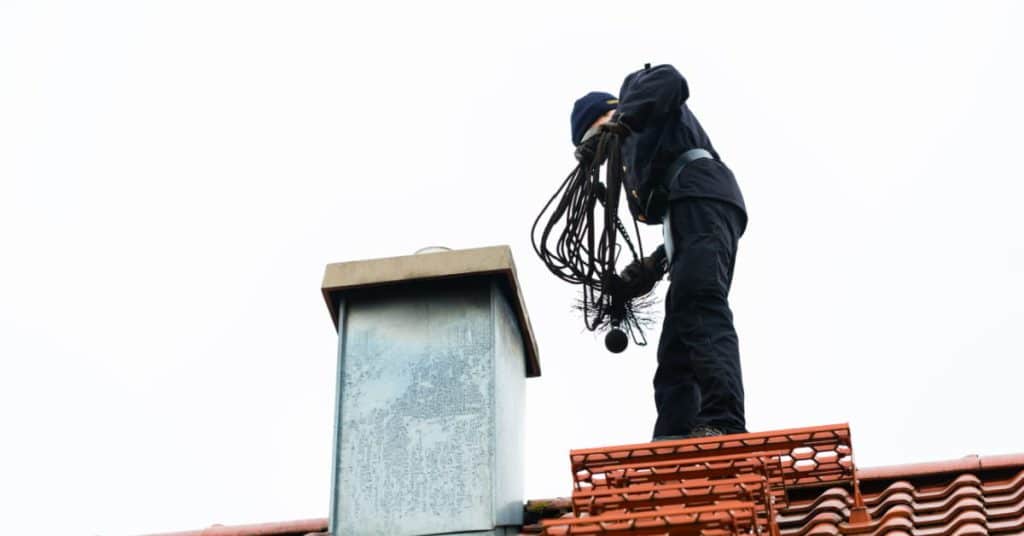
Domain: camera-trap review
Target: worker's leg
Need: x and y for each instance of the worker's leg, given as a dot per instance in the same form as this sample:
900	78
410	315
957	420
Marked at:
676	394
698	336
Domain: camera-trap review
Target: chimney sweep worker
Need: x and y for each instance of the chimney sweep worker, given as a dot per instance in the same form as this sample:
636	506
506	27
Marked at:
673	176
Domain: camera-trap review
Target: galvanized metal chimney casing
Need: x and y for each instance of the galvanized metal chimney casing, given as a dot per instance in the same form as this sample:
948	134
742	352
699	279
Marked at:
433	353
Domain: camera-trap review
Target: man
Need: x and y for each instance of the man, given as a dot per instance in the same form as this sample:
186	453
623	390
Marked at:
674	176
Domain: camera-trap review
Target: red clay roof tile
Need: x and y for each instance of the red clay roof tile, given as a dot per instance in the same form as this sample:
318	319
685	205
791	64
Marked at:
284	528
965	499
968	496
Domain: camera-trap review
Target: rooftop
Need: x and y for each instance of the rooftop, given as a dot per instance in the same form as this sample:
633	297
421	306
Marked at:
968	496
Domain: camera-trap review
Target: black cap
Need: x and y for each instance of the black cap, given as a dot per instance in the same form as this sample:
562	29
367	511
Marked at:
587	109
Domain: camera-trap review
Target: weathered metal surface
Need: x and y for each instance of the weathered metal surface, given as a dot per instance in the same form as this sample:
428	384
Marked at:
510	401
343	277
429	420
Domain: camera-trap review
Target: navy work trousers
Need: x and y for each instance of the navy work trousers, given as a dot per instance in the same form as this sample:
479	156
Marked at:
698	381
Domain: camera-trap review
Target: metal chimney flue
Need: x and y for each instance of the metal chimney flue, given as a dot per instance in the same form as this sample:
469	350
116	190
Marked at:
433	354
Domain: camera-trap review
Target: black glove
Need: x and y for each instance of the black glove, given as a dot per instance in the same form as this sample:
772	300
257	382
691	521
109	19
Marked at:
616	127
586	151
640	276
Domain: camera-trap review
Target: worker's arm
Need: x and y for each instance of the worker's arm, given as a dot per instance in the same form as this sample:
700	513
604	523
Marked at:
648	95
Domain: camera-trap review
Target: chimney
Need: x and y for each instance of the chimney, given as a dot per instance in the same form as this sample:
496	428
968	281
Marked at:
433	354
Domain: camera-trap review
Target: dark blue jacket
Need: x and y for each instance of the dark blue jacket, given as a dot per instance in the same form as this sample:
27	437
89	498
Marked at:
652	103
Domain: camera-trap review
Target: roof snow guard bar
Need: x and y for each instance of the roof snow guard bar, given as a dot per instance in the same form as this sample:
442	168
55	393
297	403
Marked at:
658	488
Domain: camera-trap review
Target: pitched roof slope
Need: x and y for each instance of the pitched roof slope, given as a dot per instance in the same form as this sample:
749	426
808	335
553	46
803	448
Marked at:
285	528
965	497
969	496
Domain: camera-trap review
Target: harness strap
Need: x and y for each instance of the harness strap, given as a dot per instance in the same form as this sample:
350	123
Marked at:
657	198
683	160
674	170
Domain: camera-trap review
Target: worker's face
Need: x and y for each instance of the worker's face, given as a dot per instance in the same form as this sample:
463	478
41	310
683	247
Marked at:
603	119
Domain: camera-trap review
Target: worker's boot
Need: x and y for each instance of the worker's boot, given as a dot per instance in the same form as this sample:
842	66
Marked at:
701	430
704	430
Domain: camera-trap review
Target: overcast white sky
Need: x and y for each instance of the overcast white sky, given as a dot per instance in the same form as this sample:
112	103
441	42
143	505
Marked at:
175	175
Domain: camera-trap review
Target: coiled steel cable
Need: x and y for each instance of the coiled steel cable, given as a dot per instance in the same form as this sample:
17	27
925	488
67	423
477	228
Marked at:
578	245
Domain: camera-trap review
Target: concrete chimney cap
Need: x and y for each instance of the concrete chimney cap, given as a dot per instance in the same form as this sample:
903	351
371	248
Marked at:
342	277
432	249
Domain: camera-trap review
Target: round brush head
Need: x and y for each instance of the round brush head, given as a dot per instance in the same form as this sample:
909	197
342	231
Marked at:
616	340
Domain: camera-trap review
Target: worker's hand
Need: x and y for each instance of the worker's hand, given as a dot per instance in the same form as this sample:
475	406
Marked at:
586	151
641	275
617	128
